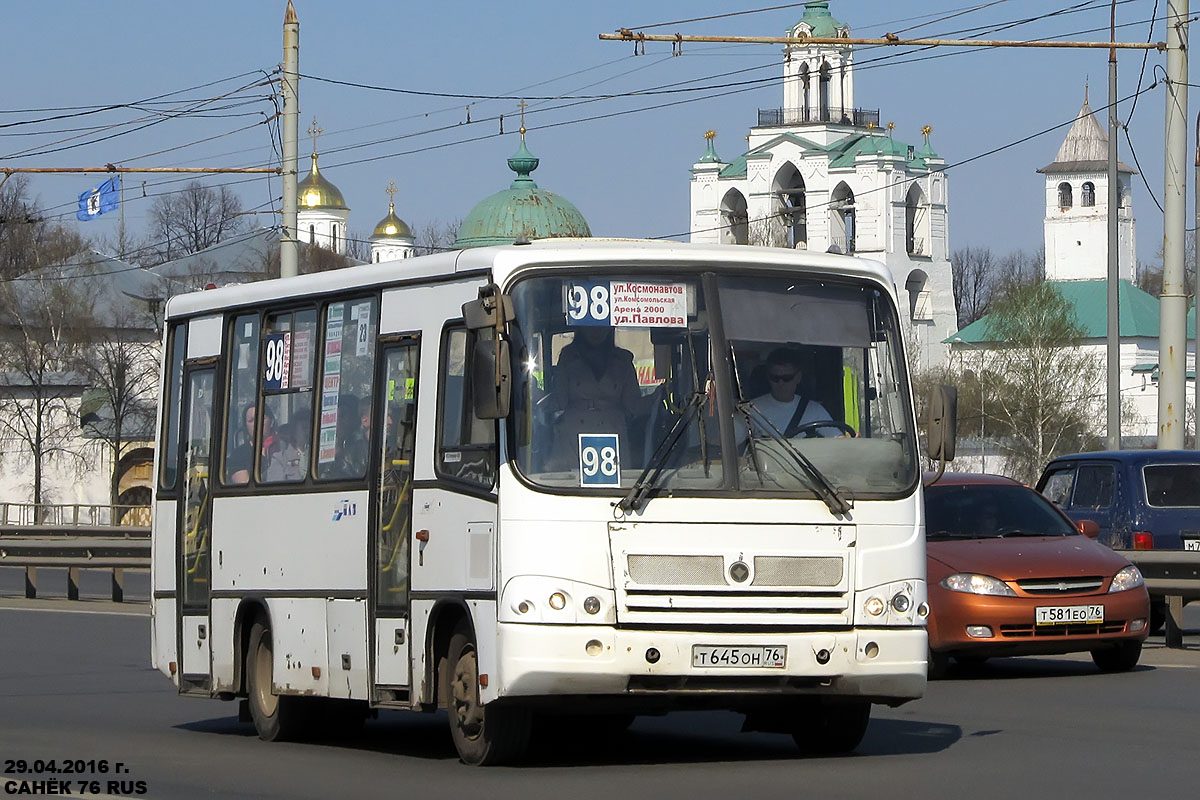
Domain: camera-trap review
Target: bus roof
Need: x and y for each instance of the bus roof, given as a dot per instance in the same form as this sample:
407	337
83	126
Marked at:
503	262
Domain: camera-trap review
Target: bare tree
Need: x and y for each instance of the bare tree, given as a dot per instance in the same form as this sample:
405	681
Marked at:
1043	391
973	270
45	325
190	220
768	232
435	236
120	369
27	240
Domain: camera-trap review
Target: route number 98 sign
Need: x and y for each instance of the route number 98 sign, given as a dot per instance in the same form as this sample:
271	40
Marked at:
599	459
626	303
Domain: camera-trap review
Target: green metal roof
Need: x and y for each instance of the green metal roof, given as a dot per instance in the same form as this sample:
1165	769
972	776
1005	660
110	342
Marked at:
521	212
1139	313
841	153
817	17
710	155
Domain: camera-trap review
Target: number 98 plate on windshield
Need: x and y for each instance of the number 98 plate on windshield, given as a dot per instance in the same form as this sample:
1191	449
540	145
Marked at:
752	657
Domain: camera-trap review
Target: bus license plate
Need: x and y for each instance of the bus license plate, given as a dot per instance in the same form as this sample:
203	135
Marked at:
1069	615
765	657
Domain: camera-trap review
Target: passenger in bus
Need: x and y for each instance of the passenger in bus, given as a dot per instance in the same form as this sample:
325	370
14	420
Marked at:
598	391
354	436
783	406
241	461
289	458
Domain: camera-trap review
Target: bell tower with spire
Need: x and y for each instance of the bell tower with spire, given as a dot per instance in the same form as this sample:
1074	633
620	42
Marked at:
818	79
1076	222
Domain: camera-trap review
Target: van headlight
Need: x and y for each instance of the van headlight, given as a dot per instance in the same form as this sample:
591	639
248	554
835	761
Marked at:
1127	578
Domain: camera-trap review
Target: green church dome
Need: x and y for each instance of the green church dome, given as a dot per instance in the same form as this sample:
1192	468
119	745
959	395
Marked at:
820	22
522	212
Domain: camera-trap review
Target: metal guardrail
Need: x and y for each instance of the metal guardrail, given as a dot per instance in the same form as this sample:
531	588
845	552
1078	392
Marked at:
74	542
74	514
1173	575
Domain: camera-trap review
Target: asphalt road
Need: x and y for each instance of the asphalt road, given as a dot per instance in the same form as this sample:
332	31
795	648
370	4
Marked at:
75	684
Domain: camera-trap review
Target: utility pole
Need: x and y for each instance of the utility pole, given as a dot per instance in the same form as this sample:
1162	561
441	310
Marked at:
289	246
1114	318
1196	301
1172	342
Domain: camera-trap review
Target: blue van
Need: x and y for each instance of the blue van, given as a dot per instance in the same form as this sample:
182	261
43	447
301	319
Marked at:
1141	499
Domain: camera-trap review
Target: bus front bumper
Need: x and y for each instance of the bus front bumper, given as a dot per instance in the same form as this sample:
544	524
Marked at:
884	664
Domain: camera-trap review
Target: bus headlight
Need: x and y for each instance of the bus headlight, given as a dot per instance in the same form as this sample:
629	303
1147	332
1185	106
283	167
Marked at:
539	599
897	603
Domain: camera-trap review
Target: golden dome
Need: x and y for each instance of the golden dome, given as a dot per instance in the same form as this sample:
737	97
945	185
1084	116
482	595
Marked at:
392	227
314	192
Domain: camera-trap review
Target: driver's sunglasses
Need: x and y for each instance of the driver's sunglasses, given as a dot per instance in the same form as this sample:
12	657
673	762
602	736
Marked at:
781	378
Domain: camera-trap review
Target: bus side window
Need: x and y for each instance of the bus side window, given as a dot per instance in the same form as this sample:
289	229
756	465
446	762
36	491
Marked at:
241	407
173	400
466	444
347	389
285	425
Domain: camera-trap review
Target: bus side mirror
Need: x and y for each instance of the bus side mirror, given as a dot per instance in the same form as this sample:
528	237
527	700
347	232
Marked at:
943	423
493	309
491	378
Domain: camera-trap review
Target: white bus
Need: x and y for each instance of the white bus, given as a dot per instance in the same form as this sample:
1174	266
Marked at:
544	479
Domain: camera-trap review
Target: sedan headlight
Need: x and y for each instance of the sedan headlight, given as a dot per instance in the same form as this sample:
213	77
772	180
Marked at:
977	584
1127	578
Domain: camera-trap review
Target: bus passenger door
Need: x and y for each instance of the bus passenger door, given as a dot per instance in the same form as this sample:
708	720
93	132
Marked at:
397	410
195	529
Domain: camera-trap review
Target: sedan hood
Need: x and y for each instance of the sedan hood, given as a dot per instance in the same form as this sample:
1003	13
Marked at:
1019	557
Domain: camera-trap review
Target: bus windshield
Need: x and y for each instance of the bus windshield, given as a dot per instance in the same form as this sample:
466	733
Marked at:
773	384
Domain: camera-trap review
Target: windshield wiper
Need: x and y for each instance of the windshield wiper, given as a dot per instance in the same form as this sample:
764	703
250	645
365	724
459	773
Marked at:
634	498
827	491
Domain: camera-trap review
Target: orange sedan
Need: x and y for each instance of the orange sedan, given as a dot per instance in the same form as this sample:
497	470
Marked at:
1010	575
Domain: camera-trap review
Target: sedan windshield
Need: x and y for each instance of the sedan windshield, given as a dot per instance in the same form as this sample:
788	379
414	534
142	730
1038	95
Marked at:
634	384
986	511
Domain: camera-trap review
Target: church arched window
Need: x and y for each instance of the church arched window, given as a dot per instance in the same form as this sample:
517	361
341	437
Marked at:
334	239
824	98
1088	194
312	234
804	95
1064	196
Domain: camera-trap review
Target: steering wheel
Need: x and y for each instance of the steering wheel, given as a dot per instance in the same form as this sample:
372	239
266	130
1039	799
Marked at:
808	428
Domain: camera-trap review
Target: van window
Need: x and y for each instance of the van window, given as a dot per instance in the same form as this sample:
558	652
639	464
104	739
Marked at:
1094	486
1057	485
1173	485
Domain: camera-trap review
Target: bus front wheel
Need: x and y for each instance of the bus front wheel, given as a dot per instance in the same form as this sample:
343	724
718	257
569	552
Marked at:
832	728
276	717
483	734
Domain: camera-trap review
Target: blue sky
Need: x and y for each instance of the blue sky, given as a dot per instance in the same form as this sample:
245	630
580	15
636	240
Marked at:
628	174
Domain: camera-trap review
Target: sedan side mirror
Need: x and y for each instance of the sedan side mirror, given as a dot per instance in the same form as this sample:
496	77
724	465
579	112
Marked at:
1088	528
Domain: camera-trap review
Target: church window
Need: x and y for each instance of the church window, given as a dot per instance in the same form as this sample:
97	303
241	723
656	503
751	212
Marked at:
312	234
916	223
841	220
334	238
804	95
735	219
1064	196
1088	195
376	256
790	206
824	98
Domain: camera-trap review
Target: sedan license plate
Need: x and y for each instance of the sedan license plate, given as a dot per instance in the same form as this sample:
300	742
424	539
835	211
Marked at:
749	657
1069	615
1191	544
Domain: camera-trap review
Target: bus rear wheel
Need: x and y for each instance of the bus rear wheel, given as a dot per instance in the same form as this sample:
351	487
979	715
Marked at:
276	717
483	734
831	728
